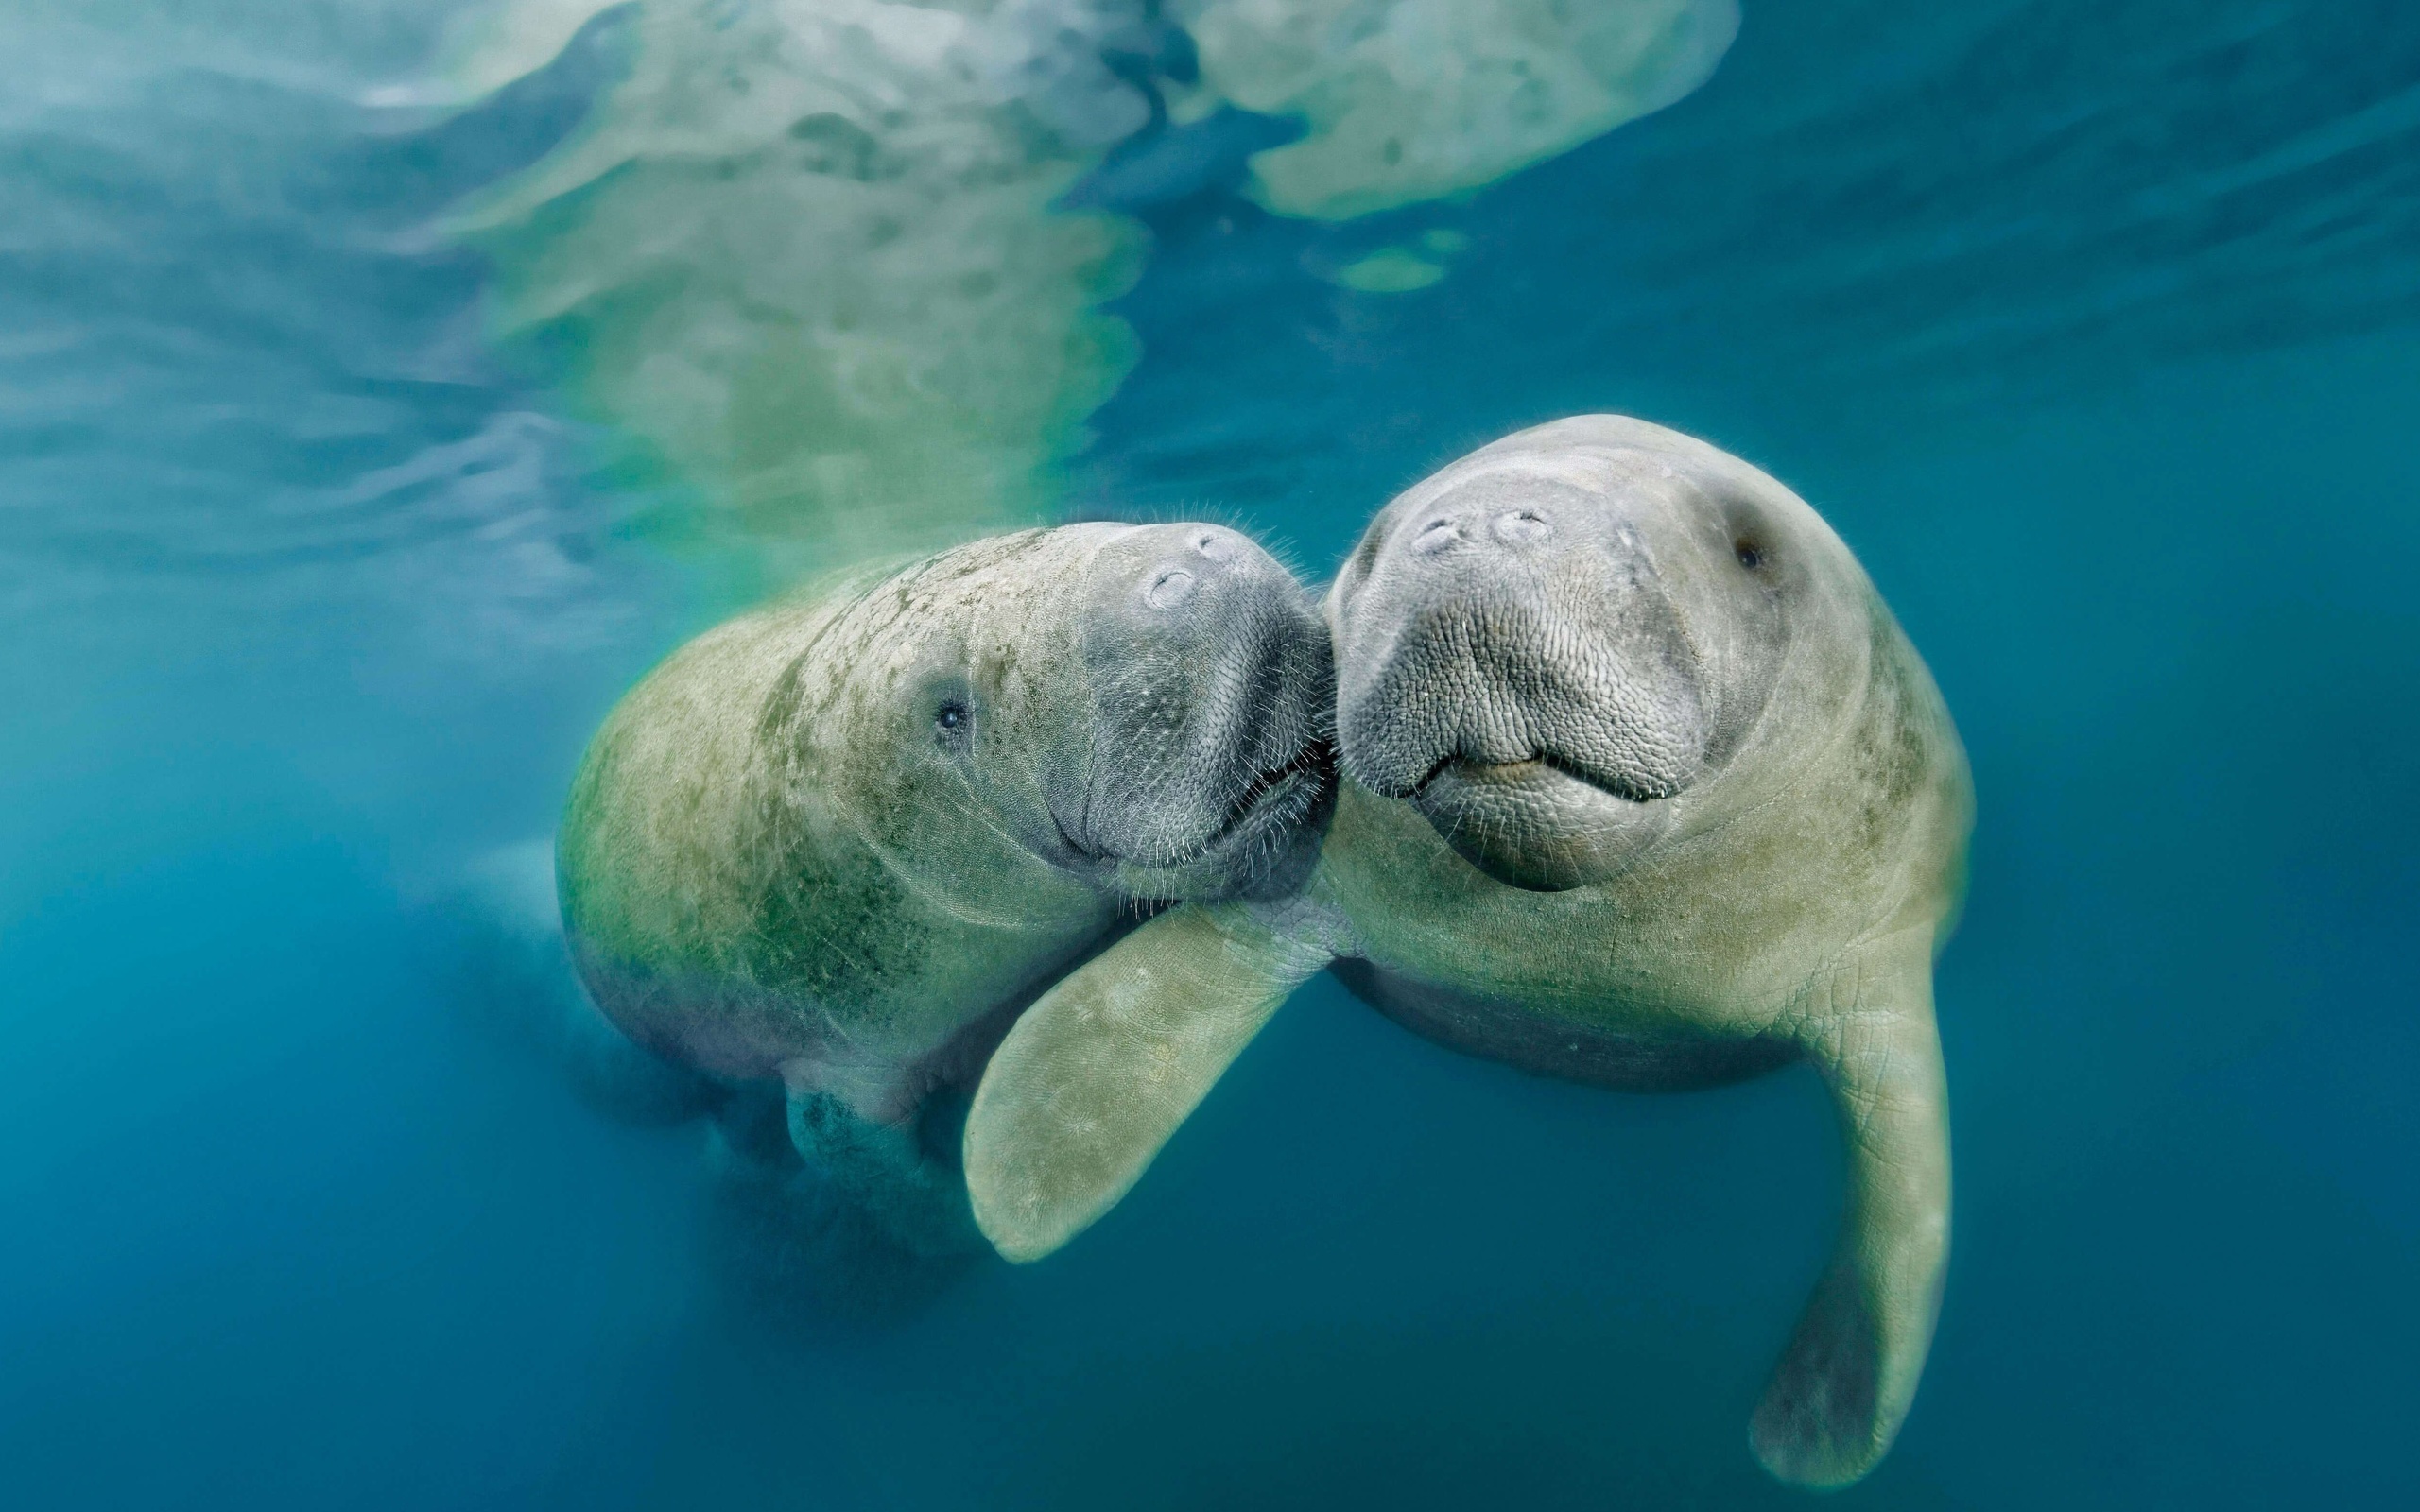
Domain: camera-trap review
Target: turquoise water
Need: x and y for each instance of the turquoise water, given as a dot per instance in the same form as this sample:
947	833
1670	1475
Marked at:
376	403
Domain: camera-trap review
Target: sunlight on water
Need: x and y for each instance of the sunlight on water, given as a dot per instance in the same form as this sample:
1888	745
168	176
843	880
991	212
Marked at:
806	253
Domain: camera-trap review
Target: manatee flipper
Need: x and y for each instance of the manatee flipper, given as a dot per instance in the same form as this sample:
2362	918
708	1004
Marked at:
1845	1380
882	1170
1097	1074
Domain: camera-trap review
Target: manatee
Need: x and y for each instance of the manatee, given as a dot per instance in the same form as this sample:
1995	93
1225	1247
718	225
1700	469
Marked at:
511	967
1643	787
833	846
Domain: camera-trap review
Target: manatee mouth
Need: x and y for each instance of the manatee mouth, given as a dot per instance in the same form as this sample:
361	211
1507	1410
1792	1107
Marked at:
1542	823
1292	786
1250	842
1544	772
1258	847
1263	827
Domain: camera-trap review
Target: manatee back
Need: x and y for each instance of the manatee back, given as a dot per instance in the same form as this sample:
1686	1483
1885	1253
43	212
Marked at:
664	852
756	870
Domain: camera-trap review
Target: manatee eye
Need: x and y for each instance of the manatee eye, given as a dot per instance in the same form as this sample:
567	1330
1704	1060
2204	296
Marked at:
1750	556
952	718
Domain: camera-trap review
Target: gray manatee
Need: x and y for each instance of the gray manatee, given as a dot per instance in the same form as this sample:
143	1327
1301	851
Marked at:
838	843
1643	787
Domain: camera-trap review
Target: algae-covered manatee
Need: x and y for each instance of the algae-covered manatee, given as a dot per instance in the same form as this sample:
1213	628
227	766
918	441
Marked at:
1643	786
838	843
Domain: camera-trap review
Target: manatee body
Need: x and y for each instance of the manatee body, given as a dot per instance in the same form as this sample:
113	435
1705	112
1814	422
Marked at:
1643	787
837	844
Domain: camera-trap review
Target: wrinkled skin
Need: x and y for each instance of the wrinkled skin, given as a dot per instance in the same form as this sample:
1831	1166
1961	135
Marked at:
838	843
1643	787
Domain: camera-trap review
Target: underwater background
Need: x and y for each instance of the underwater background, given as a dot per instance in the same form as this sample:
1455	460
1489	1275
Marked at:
385	385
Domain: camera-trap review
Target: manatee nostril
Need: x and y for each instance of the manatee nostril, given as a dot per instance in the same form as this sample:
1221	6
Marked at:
1435	537
1172	587
1521	527
1214	546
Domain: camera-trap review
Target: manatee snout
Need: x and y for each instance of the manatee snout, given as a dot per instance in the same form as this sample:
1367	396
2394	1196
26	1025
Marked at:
1211	687
1516	666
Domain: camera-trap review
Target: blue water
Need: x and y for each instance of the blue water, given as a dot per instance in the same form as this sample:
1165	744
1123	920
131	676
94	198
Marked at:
2095	328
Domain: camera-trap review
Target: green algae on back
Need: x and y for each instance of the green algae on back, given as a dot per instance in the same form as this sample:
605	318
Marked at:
841	841
761	824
